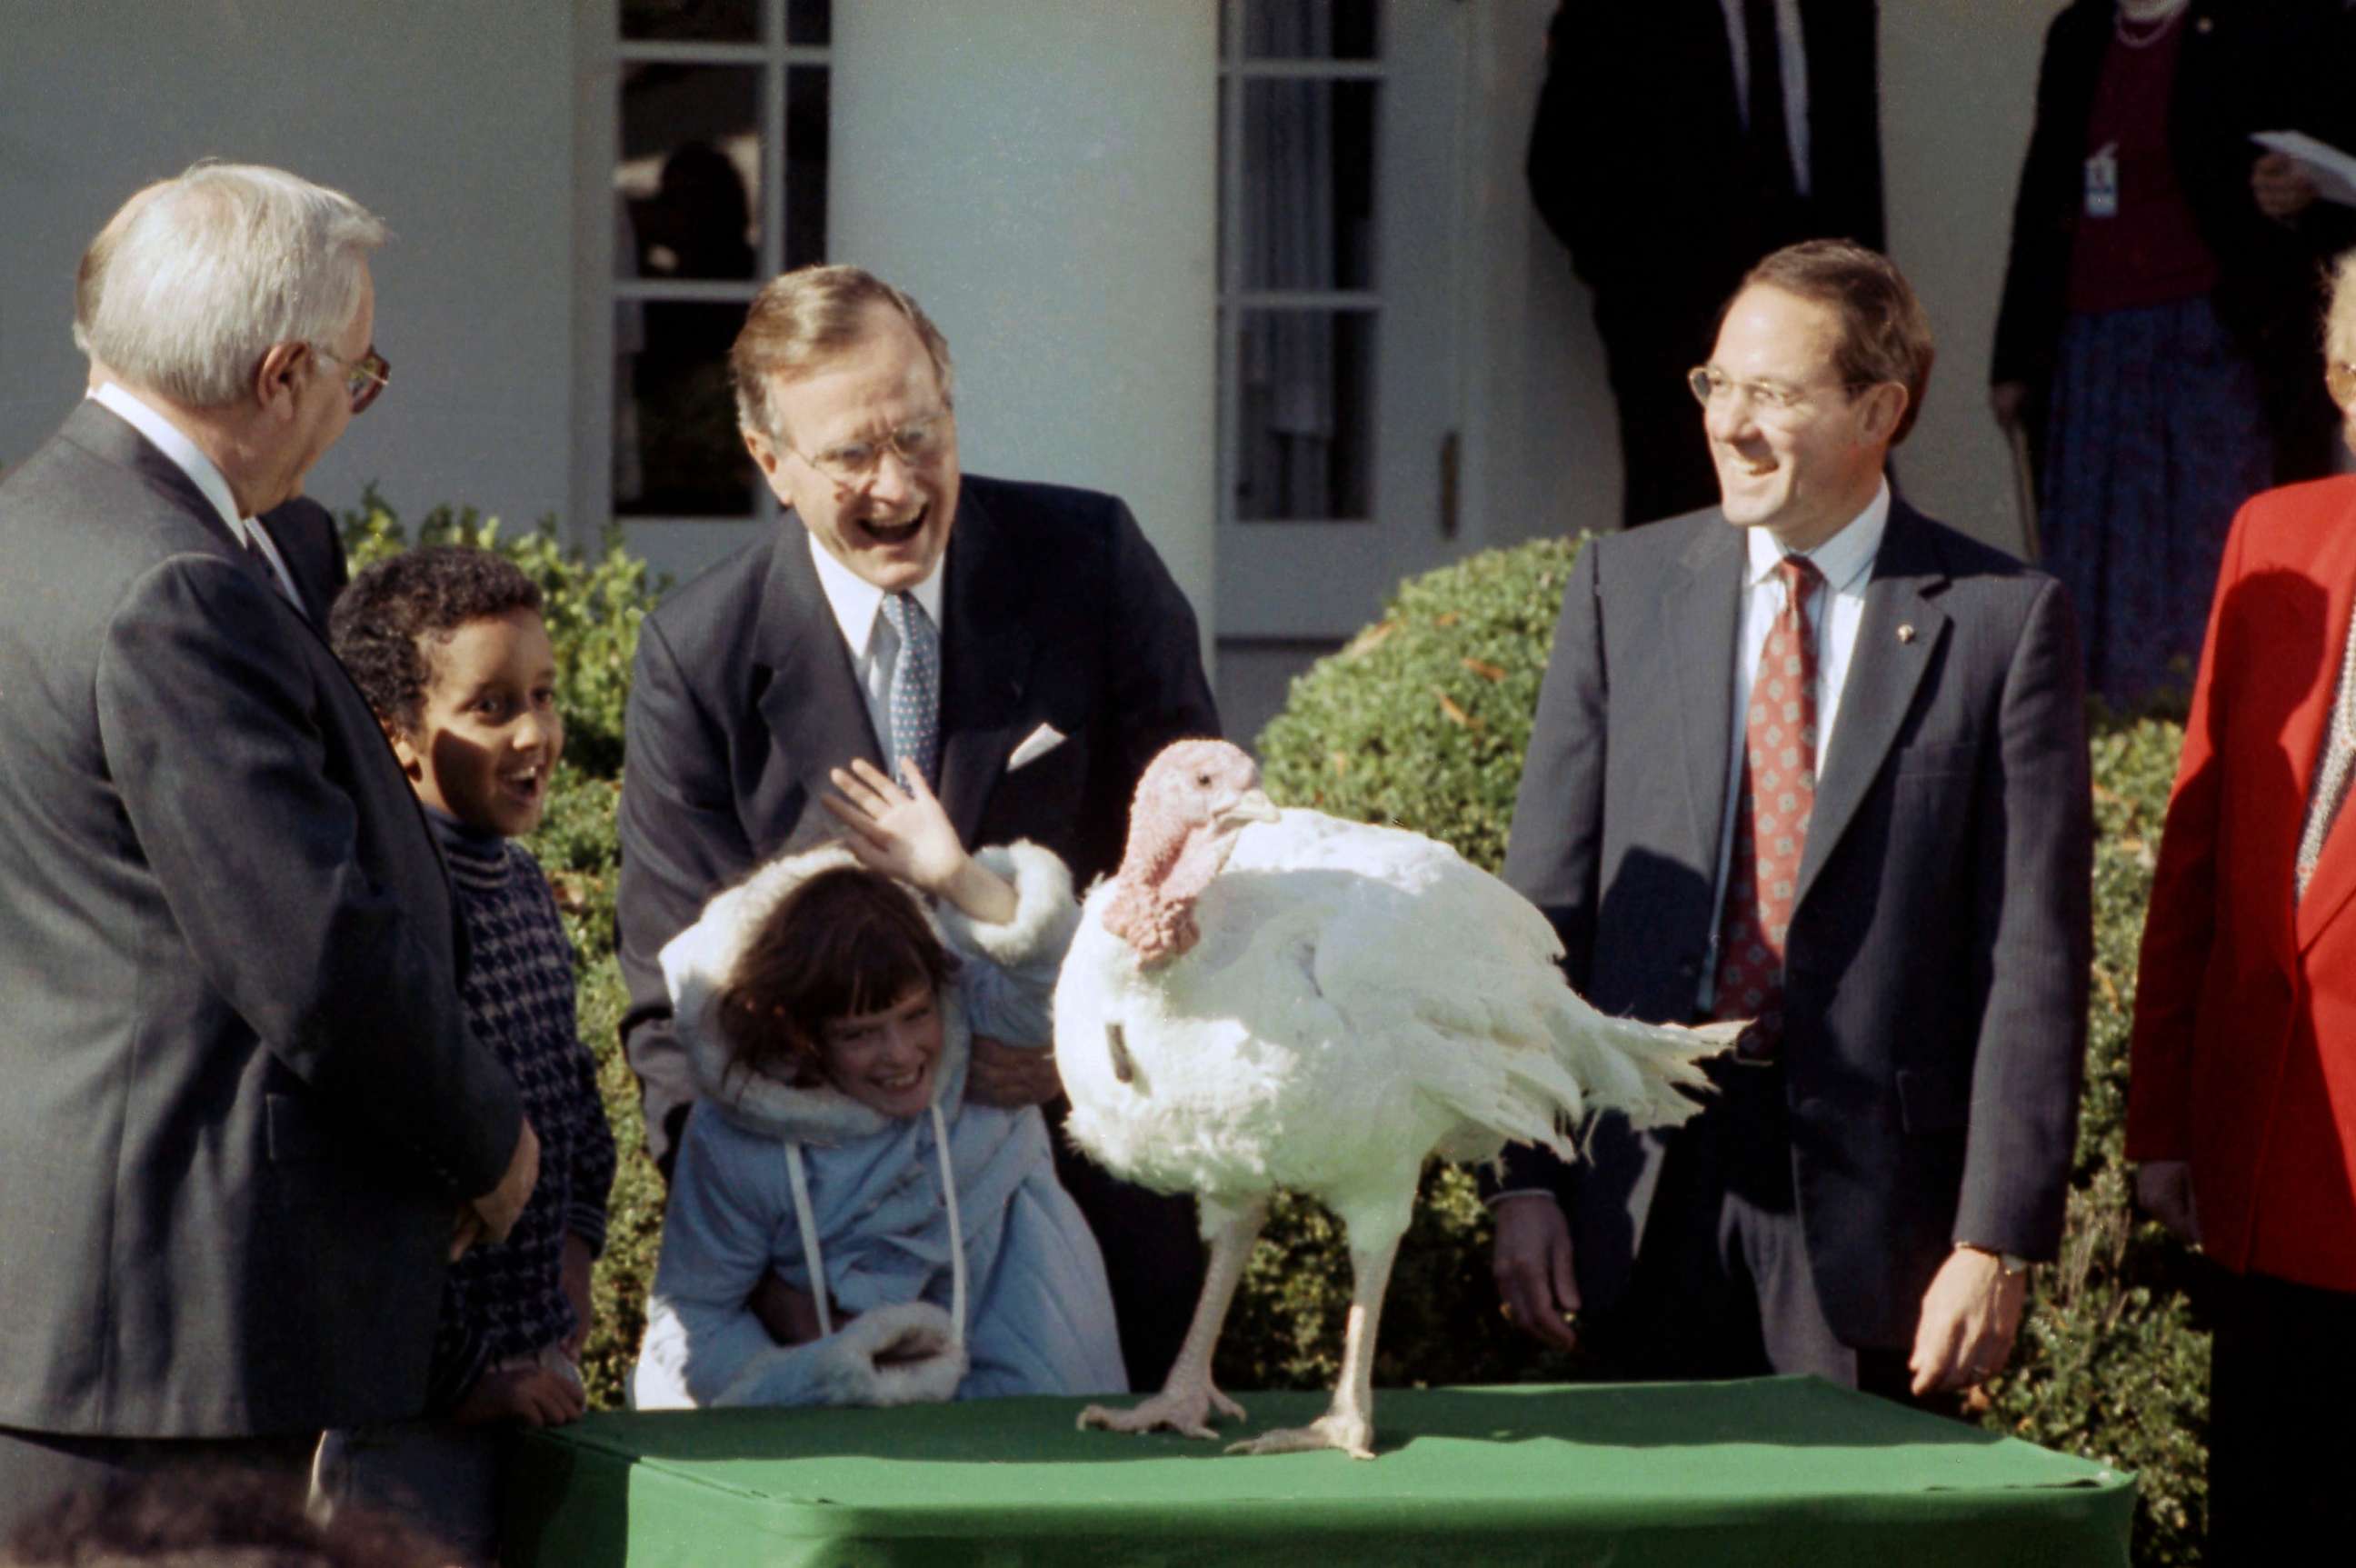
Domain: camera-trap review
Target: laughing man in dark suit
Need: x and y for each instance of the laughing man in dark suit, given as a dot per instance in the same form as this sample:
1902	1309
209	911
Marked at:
1054	656
1863	821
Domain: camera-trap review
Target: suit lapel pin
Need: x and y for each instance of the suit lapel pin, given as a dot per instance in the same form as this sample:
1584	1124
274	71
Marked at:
1906	633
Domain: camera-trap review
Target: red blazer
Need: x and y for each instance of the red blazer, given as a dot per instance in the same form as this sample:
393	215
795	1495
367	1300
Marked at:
2245	1049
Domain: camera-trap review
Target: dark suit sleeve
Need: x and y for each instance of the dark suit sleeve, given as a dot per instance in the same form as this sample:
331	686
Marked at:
1159	691
682	840
204	708
2033	892
1552	175
2044	212
1553	849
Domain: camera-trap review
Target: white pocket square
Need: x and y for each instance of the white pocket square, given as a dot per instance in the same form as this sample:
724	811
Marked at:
1037	744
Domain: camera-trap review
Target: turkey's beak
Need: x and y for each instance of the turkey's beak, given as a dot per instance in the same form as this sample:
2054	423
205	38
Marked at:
1251	805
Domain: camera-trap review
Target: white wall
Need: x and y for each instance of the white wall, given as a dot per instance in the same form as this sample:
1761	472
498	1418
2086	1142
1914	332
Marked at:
450	118
1043	174
1958	88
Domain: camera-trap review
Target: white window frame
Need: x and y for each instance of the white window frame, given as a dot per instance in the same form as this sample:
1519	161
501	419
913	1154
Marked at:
602	52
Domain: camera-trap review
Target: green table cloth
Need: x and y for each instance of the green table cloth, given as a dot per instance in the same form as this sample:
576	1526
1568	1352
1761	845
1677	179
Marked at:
1766	1471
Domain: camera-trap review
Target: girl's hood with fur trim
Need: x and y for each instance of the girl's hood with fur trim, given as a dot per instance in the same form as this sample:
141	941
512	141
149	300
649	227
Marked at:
698	963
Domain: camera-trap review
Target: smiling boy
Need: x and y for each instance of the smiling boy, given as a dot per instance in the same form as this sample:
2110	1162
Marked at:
448	646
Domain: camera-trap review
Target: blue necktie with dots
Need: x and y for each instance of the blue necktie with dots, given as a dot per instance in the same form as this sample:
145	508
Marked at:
915	691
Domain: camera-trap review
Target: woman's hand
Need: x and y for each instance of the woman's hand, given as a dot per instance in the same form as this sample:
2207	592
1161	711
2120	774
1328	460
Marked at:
905	833
2006	400
2281	186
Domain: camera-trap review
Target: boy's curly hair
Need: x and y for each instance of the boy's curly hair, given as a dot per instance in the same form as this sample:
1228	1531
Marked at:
382	624
846	941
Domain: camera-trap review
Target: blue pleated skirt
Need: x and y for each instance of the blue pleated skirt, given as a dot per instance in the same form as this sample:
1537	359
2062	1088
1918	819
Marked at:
2156	435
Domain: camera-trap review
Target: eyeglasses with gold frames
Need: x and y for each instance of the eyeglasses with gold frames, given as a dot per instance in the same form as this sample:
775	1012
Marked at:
364	377
850	463
1770	400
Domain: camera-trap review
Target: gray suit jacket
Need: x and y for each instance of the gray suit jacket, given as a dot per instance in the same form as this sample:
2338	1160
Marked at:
1936	966
241	1100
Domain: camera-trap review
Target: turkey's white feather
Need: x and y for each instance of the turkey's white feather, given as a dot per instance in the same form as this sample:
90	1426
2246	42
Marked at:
1360	997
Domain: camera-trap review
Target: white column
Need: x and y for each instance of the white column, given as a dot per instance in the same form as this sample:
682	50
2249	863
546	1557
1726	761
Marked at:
1043	176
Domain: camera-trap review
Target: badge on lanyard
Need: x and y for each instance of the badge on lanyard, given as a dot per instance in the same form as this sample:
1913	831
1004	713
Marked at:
2102	182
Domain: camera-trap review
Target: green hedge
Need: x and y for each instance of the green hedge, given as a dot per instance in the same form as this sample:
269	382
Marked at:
1421	721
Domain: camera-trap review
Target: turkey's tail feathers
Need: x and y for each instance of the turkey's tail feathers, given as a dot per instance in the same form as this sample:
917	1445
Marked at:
1649	1072
1583	1062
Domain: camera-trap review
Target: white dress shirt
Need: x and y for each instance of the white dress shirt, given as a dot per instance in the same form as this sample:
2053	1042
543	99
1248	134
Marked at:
1846	562
858	606
191	459
1795	67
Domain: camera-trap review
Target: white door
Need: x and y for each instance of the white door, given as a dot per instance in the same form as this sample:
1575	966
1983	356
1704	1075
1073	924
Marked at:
1343	172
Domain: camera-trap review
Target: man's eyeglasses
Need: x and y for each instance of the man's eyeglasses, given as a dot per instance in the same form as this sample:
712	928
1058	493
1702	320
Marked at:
1711	386
364	377
2340	379
916	444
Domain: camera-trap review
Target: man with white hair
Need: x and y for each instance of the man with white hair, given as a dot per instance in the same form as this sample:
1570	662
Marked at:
299	539
245	1124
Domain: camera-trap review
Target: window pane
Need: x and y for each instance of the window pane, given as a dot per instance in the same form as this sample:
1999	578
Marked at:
676	450
698	21
689	171
809	21
1312	30
1309	184
1305	388
805	193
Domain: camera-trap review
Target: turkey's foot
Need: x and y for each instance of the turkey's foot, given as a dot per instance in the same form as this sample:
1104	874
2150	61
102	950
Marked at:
1184	1411
1352	1435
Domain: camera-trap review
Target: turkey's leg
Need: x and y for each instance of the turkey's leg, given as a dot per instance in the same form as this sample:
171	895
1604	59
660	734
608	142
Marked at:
1186	1401
1348	1422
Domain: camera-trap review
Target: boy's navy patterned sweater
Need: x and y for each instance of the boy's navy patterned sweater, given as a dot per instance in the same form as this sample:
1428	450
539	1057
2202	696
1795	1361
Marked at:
509	1300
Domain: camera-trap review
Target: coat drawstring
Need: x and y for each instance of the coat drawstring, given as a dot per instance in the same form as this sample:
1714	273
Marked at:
806	1219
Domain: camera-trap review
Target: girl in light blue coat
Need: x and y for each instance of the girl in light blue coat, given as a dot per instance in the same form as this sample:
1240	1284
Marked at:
827	1020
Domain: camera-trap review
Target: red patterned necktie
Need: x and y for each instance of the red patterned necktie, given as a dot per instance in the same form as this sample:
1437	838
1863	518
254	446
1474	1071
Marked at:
1770	822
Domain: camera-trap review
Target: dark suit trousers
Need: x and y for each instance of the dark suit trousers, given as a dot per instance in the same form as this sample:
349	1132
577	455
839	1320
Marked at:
40	1470
1722	1286
2282	1448
1152	1246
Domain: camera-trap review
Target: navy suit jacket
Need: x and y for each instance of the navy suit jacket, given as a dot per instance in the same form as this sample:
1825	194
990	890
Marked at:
1938	961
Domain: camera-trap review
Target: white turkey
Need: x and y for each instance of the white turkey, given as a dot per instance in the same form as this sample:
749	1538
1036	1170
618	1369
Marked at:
1263	999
